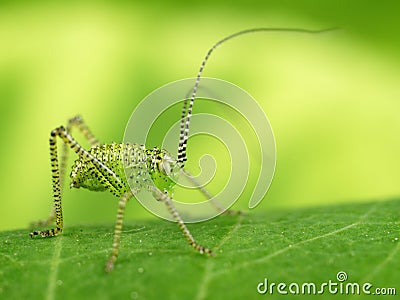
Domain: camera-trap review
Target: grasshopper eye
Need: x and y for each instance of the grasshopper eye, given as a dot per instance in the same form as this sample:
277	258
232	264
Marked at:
165	167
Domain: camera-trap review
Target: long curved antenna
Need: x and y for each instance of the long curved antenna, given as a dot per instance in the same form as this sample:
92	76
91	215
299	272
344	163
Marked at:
187	111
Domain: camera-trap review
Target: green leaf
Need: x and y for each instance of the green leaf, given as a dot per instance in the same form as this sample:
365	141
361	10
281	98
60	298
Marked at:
292	246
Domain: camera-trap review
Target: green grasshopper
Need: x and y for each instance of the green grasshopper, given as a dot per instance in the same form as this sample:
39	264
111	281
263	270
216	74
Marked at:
103	167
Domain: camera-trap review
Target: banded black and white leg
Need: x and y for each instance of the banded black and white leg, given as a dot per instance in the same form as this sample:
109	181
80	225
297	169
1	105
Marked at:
112	179
164	198
75	122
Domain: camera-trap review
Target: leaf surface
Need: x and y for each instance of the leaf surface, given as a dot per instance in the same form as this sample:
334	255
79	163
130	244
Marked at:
155	262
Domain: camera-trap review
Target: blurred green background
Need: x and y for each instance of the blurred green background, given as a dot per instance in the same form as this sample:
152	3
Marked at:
333	100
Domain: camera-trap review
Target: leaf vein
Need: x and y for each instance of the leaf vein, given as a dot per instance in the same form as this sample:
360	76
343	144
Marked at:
55	261
296	245
207	275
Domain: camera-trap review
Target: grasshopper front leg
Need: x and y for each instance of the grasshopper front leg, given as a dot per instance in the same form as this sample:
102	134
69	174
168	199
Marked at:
160	196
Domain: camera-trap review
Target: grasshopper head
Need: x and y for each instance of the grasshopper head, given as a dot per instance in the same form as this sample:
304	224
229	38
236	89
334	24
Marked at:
163	169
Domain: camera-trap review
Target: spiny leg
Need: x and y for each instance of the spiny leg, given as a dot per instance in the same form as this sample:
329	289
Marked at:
117	231
56	190
160	196
68	139
210	197
75	122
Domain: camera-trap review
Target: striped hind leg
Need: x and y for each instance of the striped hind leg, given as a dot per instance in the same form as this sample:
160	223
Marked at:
78	149
75	122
